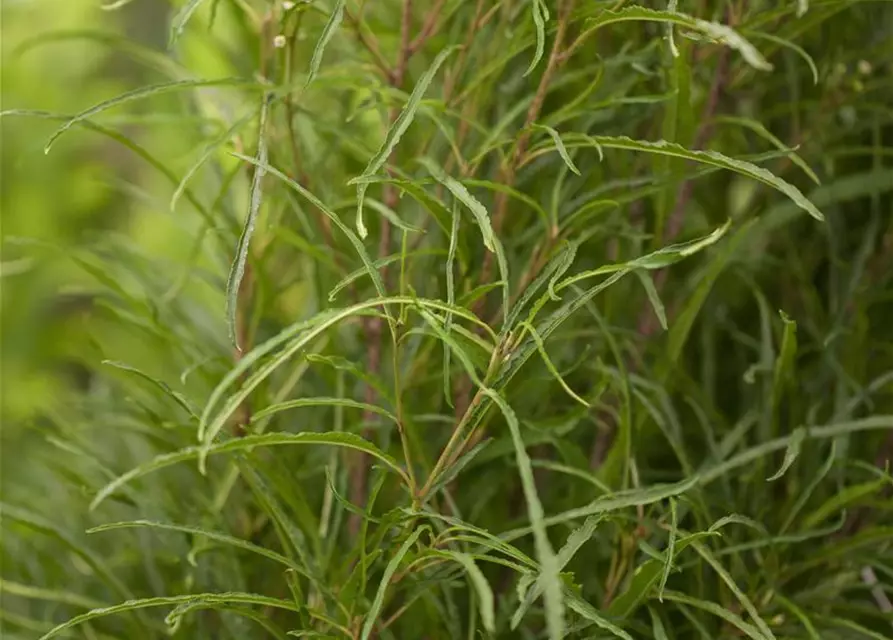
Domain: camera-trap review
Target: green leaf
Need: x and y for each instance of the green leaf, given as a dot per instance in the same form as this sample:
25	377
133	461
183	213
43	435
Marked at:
390	569
529	328
322	402
671	549
715	31
136	94
344	440
764	133
590	613
179	21
176	396
462	194
451	299
791	453
744	458
575	541
166	601
562	151
196	531
842	499
713	158
733	587
711	607
480	584
401	124
237	271
545	555
653	298
646	576
540	14
328	31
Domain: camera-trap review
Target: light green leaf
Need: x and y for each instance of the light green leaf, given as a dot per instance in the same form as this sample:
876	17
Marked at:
713	158
480	584
178	23
713	30
668	566
322	402
328	31
711	607
562	151
653	298
548	362
575	541
540	14
136	94
401	124
478	210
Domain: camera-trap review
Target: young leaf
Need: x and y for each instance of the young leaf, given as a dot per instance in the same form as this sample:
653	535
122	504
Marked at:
328	31
322	402
713	158
481	586
548	362
401	124
653	298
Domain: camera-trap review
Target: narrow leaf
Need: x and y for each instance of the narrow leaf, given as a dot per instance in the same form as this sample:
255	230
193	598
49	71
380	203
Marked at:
562	150
177	397
401	124
328	31
237	271
653	298
481	586
549	570
718	32
791	453
389	571
345	440
166	601
671	544
540	15
179	21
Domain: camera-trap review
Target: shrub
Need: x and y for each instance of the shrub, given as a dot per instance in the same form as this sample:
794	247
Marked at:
478	319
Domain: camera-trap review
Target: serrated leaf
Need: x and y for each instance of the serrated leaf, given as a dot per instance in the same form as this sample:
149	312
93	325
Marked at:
401	124
713	158
718	32
481	587
322	402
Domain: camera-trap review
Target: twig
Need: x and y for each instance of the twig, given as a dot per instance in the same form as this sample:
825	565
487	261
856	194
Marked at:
429	28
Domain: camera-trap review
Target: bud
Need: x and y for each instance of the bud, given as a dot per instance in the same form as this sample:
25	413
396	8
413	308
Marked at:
279	41
288	5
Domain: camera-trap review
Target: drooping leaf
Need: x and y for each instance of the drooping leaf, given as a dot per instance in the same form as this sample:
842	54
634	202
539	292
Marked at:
328	31
398	128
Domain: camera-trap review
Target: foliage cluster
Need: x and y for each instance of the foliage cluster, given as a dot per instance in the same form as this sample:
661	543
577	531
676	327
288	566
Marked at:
466	319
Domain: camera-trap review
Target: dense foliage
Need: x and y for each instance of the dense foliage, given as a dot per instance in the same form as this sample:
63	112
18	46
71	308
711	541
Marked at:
449	319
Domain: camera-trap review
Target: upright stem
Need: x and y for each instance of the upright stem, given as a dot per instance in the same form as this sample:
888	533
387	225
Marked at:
373	326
